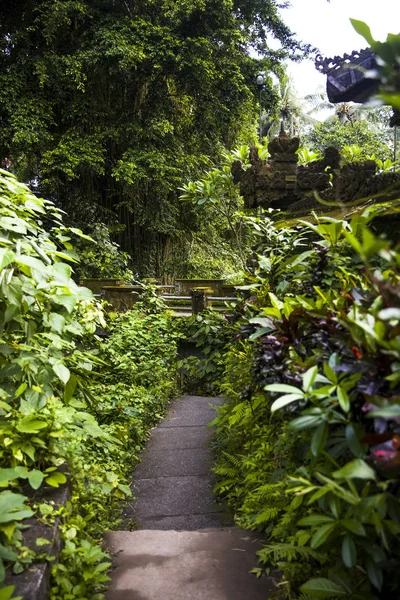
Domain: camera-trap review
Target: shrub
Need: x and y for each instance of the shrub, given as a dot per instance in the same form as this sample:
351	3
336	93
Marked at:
308	444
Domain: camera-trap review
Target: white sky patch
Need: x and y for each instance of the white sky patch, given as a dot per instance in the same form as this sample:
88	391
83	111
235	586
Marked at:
327	26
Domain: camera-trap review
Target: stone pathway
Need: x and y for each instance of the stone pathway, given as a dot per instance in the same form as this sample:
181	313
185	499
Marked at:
186	547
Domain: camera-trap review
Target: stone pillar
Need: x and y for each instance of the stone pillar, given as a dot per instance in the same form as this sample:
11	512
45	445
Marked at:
199	299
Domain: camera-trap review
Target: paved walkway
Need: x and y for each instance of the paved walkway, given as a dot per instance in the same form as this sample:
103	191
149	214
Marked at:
186	547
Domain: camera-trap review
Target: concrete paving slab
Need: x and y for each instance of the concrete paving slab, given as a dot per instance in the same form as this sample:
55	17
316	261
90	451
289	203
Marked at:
174	462
167	438
183	565
189	413
167	496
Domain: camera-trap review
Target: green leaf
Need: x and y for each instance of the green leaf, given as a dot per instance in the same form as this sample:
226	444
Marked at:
35	479
352	441
8	475
363	30
70	388
8	553
330	373
387	412
321	587
389	313
55	479
356	469
284	400
261	331
309	378
7	256
67	301
344	399
319	438
30	425
6	593
375	574
316	520
42	542
21	390
282	387
353	526
62	372
305	422
322	535
14	224
56	322
349	552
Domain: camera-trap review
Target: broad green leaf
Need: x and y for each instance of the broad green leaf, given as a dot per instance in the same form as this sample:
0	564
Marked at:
322	535
363	30
67	301
30	425
32	263
8	475
6	593
35	479
276	303
261	331
62	273
42	542
7	256
62	372
356	469
8	553
55	479
282	387
21	390
309	378
389	313
330	373
352	441
344	399
263	321
319	438
321	587
14	224
56	322
316	520
375	574
387	412
70	388
349	552
284	400
353	526
305	422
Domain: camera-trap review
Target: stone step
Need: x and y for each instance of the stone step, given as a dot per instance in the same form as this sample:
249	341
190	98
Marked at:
211	564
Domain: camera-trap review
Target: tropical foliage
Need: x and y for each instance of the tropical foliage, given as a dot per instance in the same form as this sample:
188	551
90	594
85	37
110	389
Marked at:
307	444
111	105
71	406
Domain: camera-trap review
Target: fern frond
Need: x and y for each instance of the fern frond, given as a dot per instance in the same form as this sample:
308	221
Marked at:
287	552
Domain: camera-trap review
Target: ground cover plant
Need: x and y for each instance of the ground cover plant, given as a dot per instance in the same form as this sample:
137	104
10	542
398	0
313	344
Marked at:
309	440
72	406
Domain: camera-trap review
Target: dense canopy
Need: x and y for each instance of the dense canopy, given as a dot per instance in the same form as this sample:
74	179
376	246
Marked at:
113	103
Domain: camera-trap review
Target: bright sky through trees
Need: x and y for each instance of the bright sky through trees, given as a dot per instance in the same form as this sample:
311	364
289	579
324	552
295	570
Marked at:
327	26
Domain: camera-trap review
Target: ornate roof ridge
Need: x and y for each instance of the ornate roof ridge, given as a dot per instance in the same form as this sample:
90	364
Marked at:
327	65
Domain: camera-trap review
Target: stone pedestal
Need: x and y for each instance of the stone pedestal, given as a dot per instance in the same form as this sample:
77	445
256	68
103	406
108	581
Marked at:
199	299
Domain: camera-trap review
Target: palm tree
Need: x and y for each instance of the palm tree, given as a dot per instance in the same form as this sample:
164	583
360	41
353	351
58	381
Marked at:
291	112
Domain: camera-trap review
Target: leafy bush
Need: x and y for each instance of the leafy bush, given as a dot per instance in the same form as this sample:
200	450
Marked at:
67	398
209	332
100	257
308	444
